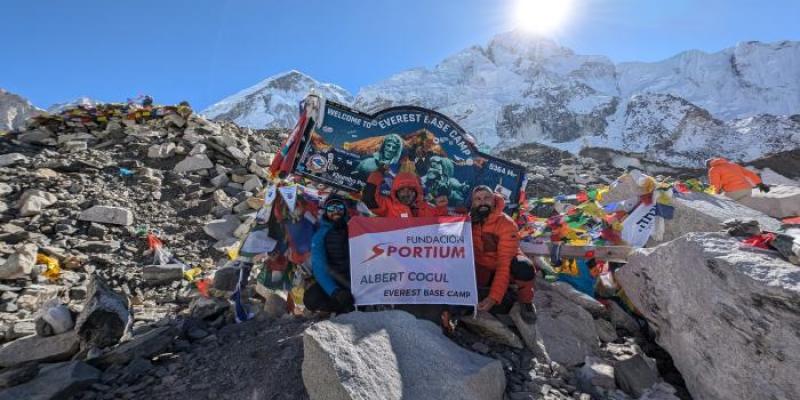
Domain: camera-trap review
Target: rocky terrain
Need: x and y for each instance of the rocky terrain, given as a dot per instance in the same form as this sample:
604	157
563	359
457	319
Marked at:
85	191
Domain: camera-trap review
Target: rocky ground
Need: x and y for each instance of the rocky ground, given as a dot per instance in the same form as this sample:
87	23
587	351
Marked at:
86	194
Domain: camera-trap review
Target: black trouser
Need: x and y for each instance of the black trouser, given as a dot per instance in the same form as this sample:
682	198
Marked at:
315	299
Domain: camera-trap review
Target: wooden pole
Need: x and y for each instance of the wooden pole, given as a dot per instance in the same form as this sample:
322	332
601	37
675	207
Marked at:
605	253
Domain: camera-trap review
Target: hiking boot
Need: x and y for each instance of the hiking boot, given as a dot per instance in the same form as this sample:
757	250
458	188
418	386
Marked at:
528	312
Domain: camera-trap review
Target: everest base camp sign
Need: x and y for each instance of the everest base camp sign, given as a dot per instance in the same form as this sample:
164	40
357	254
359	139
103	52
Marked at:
412	261
344	146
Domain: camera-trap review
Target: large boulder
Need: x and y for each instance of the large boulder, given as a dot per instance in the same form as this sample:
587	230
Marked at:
392	355
55	381
566	330
107	215
729	317
700	212
781	202
37	348
105	316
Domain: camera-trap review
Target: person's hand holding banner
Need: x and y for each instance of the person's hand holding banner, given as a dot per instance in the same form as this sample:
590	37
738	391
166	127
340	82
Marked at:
486	304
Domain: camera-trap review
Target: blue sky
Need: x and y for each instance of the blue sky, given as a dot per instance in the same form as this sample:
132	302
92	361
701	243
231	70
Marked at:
204	50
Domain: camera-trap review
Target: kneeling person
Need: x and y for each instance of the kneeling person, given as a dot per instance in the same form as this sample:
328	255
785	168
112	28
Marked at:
330	262
498	259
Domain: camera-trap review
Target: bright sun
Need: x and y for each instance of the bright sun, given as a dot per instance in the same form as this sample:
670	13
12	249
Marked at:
541	16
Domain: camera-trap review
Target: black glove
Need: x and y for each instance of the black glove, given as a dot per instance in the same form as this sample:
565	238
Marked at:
763	188
345	299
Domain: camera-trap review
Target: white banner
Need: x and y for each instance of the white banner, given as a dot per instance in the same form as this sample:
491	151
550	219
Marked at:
412	261
638	226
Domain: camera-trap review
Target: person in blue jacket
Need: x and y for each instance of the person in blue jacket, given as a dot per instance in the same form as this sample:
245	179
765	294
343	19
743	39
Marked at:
330	262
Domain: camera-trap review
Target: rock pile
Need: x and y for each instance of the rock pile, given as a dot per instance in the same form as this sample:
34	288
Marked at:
78	194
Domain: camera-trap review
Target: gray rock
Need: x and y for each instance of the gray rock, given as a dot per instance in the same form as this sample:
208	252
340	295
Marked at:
36	348
11	159
566	329
274	305
392	355
162	274
96	230
165	150
263	159
528	333
32	202
596	373
605	330
221	229
37	136
147	345
621	319
107	215
53	318
252	184
194	163
198	148
15	376
700	212
781	202
701	288
5	189
588	303
207	308
19	264
226	279
55	381
635	375
220	180
491	328
105	316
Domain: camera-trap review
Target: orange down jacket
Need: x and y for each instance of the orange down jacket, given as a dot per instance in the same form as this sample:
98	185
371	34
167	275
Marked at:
495	242
389	206
730	177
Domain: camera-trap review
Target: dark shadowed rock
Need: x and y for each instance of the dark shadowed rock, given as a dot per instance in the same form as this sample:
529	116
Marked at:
105	316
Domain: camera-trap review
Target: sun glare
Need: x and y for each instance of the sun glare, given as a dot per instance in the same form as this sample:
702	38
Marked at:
541	16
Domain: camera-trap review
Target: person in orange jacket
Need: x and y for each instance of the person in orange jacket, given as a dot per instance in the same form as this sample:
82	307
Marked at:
498	258
406	199
732	179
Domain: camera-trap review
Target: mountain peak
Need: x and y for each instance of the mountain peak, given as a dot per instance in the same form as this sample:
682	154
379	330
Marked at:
273	102
14	110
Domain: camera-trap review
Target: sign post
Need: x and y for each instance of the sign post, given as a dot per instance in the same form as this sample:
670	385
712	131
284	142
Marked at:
412	261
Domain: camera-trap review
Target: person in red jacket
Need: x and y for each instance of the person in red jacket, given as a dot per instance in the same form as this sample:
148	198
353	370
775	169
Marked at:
732	179
406	199
498	258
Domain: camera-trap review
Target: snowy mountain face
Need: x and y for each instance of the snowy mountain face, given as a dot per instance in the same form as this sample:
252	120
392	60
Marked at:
739	103
80	101
14	110
273	103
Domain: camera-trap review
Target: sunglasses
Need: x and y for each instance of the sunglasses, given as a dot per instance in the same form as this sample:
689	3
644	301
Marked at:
334	207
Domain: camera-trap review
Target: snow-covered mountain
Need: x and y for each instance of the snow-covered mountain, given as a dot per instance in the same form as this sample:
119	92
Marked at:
80	101
14	110
273	102
740	102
